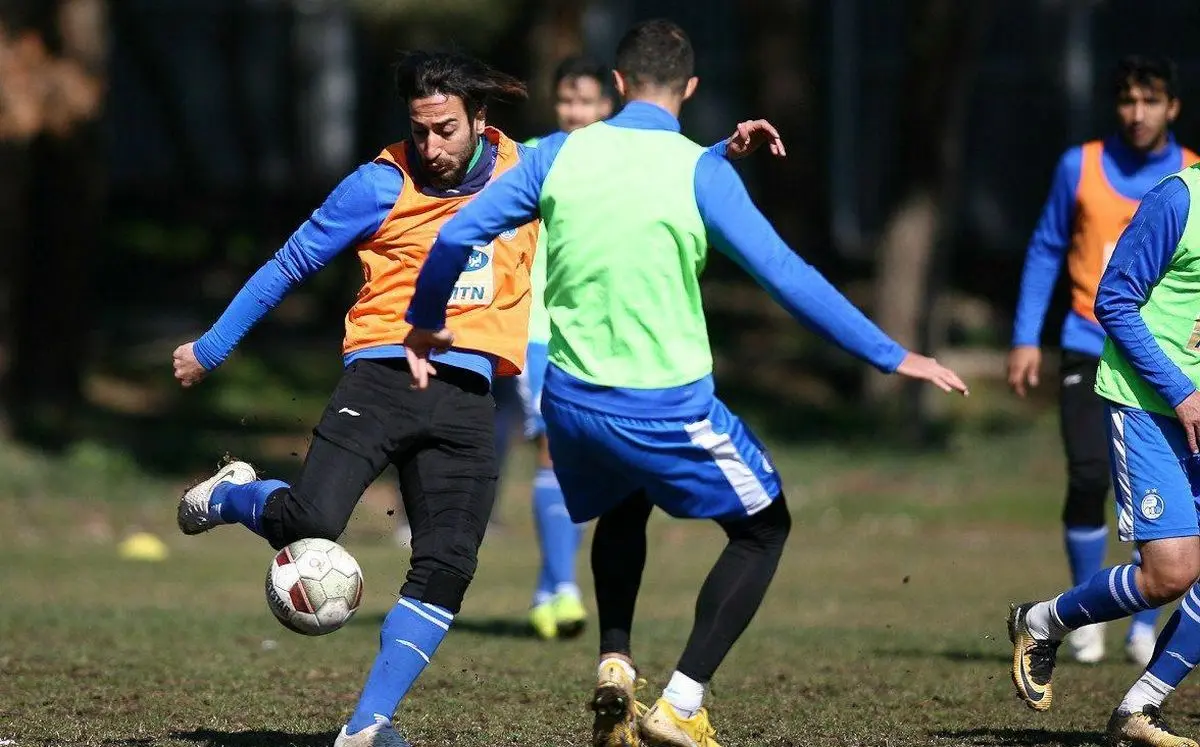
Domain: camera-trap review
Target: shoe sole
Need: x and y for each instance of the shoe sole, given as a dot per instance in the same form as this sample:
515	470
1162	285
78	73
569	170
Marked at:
571	628
650	740
181	509
1018	667
613	707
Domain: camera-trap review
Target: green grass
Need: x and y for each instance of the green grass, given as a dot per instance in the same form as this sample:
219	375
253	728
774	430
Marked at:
884	625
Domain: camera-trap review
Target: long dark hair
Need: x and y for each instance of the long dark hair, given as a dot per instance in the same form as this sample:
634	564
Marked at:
420	74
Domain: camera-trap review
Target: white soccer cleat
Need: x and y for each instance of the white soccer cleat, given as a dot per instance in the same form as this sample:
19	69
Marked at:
1087	644
1140	647
379	734
193	506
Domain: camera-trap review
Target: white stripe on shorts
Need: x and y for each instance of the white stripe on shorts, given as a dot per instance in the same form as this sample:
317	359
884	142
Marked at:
720	447
1121	477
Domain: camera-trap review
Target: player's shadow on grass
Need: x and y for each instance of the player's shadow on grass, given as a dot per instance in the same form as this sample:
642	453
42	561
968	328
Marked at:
491	627
494	627
251	738
955	655
1031	737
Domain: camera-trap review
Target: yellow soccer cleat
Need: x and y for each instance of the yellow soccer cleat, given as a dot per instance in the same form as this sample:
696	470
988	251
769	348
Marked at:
1033	661
616	707
664	727
1144	729
541	618
569	615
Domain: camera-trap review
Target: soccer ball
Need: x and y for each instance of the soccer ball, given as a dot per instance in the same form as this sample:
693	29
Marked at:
314	586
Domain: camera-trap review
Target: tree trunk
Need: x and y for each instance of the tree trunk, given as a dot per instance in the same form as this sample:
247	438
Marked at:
944	38
52	61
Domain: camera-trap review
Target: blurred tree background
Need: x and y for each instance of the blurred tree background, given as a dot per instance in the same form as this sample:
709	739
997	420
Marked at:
153	154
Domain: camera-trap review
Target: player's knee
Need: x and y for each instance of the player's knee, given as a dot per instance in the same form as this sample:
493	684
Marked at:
446	588
287	519
1163	583
1087	496
767	531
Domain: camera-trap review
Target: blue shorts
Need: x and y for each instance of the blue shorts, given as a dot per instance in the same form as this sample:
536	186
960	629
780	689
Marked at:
1154	474
703	468
530	384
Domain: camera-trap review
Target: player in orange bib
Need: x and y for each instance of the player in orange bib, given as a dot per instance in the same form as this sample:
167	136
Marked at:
1097	187
389	211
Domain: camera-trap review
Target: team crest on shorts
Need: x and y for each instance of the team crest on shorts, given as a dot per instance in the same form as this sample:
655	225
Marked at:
509	235
1152	505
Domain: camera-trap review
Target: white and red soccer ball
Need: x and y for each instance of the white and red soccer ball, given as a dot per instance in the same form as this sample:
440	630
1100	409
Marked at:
314	586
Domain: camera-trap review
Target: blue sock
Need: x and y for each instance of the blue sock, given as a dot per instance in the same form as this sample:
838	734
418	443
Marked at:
1145	620
557	534
1178	648
410	635
545	586
1108	595
1085	551
242	504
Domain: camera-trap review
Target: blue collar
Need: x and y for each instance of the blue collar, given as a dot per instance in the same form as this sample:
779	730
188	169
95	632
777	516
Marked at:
1129	159
642	115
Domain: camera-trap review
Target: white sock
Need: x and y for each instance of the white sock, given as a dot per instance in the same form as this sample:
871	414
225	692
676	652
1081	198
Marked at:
1148	690
684	694
1139	629
1044	624
624	665
541	597
568	589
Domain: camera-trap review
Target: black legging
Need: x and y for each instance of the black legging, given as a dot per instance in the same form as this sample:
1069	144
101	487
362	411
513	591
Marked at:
728	600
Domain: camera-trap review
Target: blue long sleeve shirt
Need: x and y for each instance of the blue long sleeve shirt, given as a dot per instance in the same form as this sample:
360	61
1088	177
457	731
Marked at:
734	225
1132	174
1138	263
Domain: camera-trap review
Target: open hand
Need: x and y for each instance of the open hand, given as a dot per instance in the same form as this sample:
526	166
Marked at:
751	135
919	367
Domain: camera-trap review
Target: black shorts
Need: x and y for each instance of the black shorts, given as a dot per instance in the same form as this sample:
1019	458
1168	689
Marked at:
441	442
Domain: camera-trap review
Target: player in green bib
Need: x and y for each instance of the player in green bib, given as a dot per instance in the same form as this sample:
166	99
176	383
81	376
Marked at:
581	98
630	208
1149	306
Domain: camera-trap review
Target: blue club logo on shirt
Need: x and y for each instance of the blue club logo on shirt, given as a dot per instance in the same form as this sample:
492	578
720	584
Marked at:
477	261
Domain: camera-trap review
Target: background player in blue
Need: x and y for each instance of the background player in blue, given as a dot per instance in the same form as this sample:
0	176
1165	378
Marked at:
629	398
1095	191
581	97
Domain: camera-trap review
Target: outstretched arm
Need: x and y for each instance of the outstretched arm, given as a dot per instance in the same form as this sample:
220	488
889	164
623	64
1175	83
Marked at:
737	228
351	214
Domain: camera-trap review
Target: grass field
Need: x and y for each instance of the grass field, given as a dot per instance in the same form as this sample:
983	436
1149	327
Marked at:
885	625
